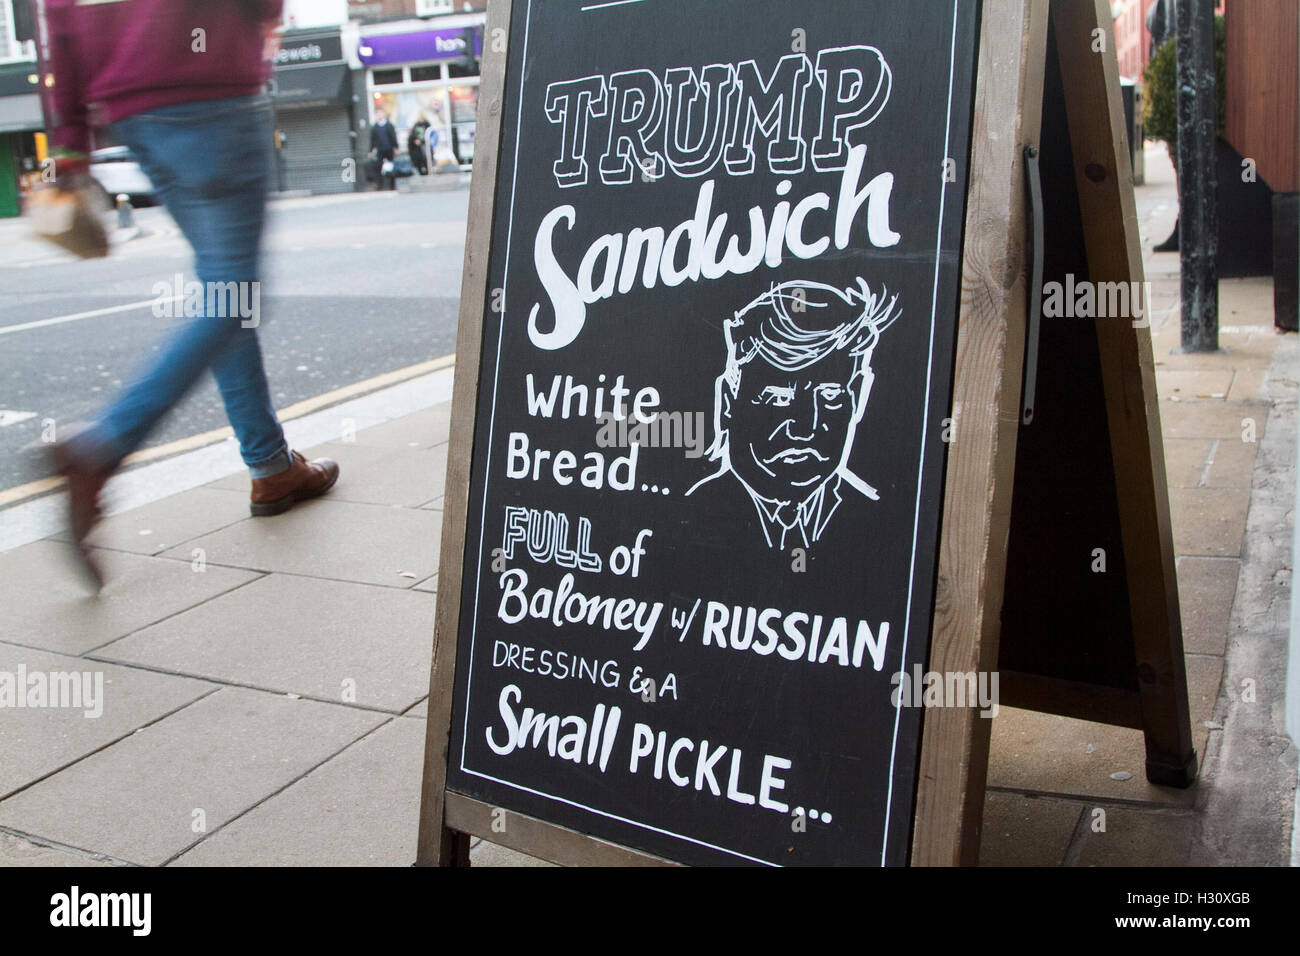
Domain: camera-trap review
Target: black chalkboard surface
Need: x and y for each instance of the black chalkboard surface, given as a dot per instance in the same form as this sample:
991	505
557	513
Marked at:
711	425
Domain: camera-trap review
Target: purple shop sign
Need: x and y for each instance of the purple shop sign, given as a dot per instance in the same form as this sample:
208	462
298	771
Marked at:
415	47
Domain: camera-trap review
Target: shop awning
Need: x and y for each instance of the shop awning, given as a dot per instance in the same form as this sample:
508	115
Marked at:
311	85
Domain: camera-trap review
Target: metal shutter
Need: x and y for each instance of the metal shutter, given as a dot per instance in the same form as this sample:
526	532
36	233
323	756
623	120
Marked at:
318	142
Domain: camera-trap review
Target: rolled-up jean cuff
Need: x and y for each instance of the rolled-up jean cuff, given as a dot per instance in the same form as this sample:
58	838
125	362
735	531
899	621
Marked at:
280	461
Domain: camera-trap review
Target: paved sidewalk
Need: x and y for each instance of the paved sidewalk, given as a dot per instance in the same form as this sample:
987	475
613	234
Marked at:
265	679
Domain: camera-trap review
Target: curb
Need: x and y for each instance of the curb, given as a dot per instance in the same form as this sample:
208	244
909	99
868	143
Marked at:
35	518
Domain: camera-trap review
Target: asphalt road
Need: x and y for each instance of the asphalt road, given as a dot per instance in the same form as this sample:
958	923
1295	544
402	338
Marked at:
353	286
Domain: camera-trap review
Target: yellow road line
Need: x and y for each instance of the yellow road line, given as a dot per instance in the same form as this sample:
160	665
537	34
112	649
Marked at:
30	489
297	410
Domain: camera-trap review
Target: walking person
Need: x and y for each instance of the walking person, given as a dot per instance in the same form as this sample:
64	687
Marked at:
195	118
1162	23
415	145
383	146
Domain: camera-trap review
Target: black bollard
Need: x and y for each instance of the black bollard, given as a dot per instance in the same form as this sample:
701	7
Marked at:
1197	177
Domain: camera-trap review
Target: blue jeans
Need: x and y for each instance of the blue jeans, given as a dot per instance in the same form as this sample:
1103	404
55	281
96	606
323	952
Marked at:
209	163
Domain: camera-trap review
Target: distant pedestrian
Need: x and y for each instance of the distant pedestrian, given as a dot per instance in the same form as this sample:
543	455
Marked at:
1162	21
195	118
415	141
383	146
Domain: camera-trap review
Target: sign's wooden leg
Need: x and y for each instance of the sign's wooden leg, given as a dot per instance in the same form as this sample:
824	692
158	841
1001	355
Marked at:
455	848
1103	175
438	845
981	467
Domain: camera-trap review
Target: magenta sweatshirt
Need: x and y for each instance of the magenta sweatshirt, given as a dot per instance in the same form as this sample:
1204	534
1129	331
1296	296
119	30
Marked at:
113	58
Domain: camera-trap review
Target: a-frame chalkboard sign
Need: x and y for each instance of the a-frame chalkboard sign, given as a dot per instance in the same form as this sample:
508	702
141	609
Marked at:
749	339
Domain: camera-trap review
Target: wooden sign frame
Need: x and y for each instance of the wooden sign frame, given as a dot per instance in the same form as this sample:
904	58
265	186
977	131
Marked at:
1155	696
990	351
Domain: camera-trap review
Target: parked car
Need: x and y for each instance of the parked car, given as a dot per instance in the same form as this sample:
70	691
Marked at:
116	172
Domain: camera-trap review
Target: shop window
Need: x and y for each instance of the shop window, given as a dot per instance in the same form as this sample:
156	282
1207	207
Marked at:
422	73
464	103
382	77
457	69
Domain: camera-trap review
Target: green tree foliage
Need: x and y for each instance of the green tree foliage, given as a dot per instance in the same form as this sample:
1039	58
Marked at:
1160	98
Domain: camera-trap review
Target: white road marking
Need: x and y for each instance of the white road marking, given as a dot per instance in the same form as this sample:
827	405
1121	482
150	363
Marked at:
78	316
10	417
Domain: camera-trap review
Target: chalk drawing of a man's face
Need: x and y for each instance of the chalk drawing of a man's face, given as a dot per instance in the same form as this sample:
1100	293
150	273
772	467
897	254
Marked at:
788	402
789	432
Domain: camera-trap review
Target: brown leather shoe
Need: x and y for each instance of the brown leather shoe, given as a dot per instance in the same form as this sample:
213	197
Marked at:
302	480
85	482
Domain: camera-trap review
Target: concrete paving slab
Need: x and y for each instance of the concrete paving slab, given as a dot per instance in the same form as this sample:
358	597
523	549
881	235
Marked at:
1193	384
1204	675
1026	830
1250	352
1187	460
406	477
363	806
1160	265
1208	521
46	605
16	851
1076	758
428	584
1138	837
1255	354
1246	300
373	474
35	742
370	544
1206	589
165	524
141	799
1247	385
1233	464
420	711
329	640
1061	755
1211	420
437	504
421	430
1239	318
493	854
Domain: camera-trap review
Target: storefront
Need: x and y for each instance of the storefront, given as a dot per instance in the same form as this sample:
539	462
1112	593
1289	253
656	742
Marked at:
20	124
312	93
430	74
